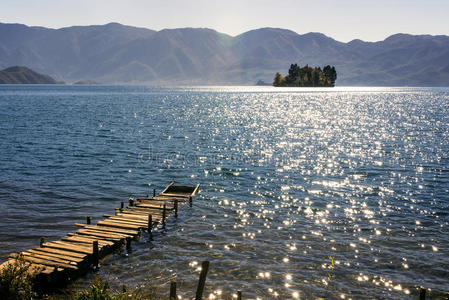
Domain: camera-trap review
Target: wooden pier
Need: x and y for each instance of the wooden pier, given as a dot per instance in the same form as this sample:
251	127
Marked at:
56	262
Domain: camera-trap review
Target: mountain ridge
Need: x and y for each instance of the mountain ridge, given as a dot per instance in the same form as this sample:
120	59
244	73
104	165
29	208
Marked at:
116	53
24	75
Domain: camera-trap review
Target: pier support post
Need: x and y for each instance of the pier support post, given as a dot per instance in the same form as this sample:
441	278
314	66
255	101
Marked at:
128	244
176	208
122	205
173	290
42	242
95	254
190	201
202	281
131	202
150	226
154	192
88	220
239	295
163	216
422	293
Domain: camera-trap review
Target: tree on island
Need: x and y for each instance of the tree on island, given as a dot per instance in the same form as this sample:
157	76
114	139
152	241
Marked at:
307	77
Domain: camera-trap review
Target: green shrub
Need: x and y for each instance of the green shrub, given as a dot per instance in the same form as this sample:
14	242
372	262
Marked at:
98	291
16	281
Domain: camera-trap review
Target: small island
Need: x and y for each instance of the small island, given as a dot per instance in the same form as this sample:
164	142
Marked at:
24	75
86	82
307	77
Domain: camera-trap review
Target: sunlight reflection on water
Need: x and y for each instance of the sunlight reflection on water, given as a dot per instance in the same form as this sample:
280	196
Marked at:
304	193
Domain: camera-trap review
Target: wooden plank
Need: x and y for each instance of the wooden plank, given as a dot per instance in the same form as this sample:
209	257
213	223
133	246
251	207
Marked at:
129	221
142	212
69	258
84	240
168	186
195	191
162	198
180	195
48	257
61	252
66	247
119	225
101	234
109	229
114	235
128	216
159	206
46	262
143	209
142	218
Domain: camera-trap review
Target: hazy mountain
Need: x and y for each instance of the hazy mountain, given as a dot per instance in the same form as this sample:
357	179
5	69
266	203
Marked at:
23	75
115	53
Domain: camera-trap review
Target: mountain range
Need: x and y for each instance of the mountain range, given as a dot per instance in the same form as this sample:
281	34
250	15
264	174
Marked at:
115	53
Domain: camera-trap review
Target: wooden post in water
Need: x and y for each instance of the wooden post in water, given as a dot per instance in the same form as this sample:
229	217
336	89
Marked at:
202	281
95	254
422	293
88	220
131	201
150	226
42	242
163	216
190	201
128	244
154	192
173	290
122	205
239	295
176	208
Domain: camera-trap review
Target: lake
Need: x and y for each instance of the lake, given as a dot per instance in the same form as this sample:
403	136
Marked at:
335	193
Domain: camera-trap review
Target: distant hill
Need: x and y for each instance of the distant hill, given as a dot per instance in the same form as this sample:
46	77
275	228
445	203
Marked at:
114	53
23	75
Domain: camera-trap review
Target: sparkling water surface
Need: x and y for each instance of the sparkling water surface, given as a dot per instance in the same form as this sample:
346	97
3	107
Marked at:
305	193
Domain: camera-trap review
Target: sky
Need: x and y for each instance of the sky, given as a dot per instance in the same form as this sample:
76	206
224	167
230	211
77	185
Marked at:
343	20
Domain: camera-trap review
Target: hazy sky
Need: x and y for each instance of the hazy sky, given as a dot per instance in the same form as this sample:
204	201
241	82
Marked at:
343	20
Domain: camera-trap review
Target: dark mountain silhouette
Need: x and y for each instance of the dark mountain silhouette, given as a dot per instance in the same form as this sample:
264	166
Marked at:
23	75
114	53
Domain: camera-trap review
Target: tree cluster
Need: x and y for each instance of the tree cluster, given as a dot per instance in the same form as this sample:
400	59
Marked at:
307	77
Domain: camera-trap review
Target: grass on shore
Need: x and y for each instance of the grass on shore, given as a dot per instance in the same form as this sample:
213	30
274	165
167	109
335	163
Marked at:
16	281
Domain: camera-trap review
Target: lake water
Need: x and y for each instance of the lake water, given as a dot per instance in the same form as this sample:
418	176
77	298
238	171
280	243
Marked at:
336	193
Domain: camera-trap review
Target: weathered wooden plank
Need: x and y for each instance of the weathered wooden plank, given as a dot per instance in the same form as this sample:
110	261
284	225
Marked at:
127	216
180	195
109	229
142	218
69	258
84	240
68	247
158	206
61	252
103	235
128	221
119	225
46	262
142	210
48	257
